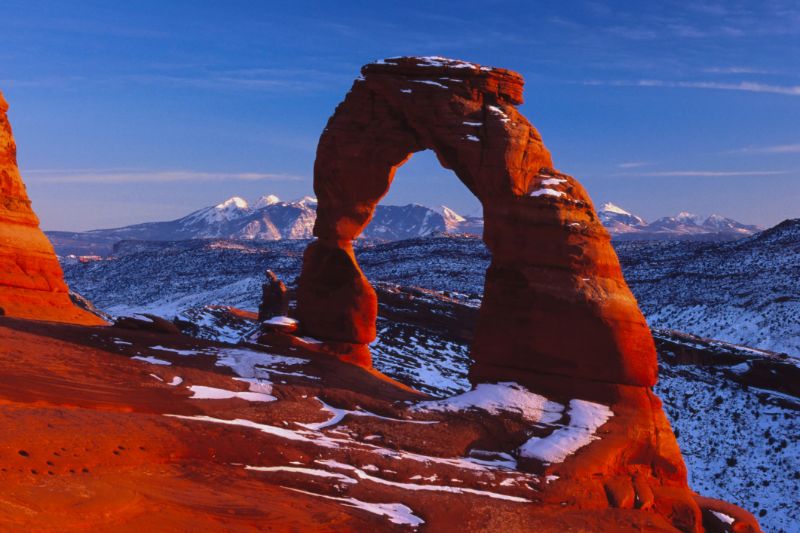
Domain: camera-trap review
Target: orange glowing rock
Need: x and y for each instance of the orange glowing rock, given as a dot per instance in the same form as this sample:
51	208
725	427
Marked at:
31	280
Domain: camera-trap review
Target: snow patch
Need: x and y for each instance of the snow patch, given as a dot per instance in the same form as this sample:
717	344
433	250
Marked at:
300	470
584	420
397	513
360	474
151	360
250	363
179	352
339	414
429	82
498	111
496	398
723	517
547	192
439	61
281	321
264	428
202	392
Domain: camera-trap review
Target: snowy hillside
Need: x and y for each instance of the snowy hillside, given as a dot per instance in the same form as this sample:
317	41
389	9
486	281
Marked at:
744	292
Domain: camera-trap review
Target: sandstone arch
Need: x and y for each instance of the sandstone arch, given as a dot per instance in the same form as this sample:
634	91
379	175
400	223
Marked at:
555	301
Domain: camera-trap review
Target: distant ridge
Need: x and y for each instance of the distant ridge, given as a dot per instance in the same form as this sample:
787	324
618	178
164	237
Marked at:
623	225
266	219
269	218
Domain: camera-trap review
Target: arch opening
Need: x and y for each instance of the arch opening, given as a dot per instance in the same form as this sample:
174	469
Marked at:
424	198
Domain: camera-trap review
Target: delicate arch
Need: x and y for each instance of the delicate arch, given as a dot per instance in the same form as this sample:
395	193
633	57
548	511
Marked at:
555	300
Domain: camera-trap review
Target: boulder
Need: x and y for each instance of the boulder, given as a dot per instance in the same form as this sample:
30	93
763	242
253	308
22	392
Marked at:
147	322
274	297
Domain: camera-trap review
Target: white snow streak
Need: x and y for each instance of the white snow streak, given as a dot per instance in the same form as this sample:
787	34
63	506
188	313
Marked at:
584	420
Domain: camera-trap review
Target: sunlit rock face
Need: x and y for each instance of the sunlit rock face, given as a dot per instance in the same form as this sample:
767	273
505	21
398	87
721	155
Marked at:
557	316
555	299
31	280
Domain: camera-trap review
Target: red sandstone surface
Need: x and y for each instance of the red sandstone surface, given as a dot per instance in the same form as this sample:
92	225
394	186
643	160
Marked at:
96	440
31	281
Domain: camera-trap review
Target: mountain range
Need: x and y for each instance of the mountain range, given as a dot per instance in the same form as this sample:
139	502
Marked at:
270	219
684	226
266	219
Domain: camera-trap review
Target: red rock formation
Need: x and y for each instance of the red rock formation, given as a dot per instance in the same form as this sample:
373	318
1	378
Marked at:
555	299
31	281
81	416
556	315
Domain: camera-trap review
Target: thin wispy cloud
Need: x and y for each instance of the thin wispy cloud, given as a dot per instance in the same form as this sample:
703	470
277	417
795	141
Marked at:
633	164
246	78
746	86
179	76
737	70
54	176
707	173
777	149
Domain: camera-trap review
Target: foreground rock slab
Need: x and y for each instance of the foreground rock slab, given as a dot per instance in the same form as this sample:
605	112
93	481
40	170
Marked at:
111	428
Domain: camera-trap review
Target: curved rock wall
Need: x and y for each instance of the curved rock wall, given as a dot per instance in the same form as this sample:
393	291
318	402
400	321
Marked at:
31	281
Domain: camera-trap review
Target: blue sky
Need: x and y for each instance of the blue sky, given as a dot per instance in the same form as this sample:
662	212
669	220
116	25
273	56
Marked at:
133	111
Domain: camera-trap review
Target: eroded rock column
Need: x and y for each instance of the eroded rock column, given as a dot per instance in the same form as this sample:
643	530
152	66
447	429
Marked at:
31	280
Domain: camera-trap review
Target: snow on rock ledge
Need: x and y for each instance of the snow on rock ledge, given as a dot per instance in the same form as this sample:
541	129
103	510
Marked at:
496	398
584	420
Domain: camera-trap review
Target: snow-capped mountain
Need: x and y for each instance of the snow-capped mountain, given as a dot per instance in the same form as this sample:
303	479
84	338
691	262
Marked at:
724	224
265	201
623	225
266	219
618	221
455	223
270	219
225	212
